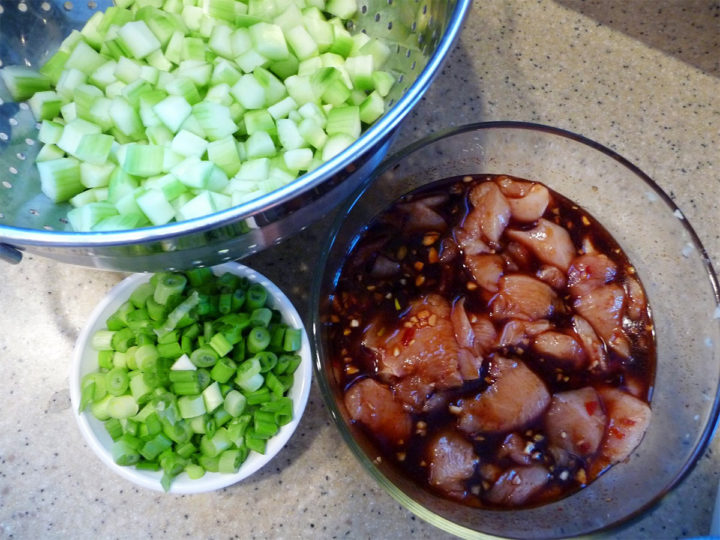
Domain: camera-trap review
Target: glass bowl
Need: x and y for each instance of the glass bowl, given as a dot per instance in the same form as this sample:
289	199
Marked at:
682	290
85	361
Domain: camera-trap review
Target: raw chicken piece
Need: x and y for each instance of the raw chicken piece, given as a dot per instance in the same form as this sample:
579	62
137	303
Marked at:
594	348
637	303
424	335
451	459
470	243
628	419
485	333
551	275
420	217
373	405
513	187
515	398
549	242
516	448
523	297
575	423
518	333
384	267
470	364
517	484
590	271
469	356
486	270
490	213
563	350
603	308
461	325
528	200
421	350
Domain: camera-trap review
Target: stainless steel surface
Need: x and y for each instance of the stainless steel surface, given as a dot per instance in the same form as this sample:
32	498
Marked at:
421	34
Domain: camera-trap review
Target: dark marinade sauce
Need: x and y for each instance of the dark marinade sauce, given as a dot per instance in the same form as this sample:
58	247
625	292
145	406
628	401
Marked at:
359	298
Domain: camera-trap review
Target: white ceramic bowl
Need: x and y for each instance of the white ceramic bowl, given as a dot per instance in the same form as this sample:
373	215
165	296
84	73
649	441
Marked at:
85	361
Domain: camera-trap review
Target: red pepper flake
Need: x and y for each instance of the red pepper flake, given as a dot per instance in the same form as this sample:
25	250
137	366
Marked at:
627	421
615	432
591	407
407	336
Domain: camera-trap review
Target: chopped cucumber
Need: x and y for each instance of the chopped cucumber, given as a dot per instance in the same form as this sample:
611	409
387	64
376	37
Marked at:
161	110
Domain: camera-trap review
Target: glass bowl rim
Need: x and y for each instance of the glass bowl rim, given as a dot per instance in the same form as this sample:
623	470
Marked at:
337	222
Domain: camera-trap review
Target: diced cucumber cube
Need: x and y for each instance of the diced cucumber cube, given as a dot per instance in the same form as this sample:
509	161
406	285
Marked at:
360	69
312	132
104	74
336	144
22	82
188	144
254	169
224	72
94	149
383	82
49	152
259	120
301	89
298	159
173	111
372	108
344	120
193	172
120	222
126	118
69	80
220	40
320	30
138	38
84	58
268	39
288	134
301	42
50	132
60	178
85	217
156	207
282	108
45	105
93	176
249	92
272	86
259	145
240	41
251	59
73	132
224	154
201	205
143	159
214	119
180	86
220	93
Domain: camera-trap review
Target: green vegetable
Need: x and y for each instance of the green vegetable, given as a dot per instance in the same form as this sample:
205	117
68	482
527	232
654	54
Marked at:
161	111
199	407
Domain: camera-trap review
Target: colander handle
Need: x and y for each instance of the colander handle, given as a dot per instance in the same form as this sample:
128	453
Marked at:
10	254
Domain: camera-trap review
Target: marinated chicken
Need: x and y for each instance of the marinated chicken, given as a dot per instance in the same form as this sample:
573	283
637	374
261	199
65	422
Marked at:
494	341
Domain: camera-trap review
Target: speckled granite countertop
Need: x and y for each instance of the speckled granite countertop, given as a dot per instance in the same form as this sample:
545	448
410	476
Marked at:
642	77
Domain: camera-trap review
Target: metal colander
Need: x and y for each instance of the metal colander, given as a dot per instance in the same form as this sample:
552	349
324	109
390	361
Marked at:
420	32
